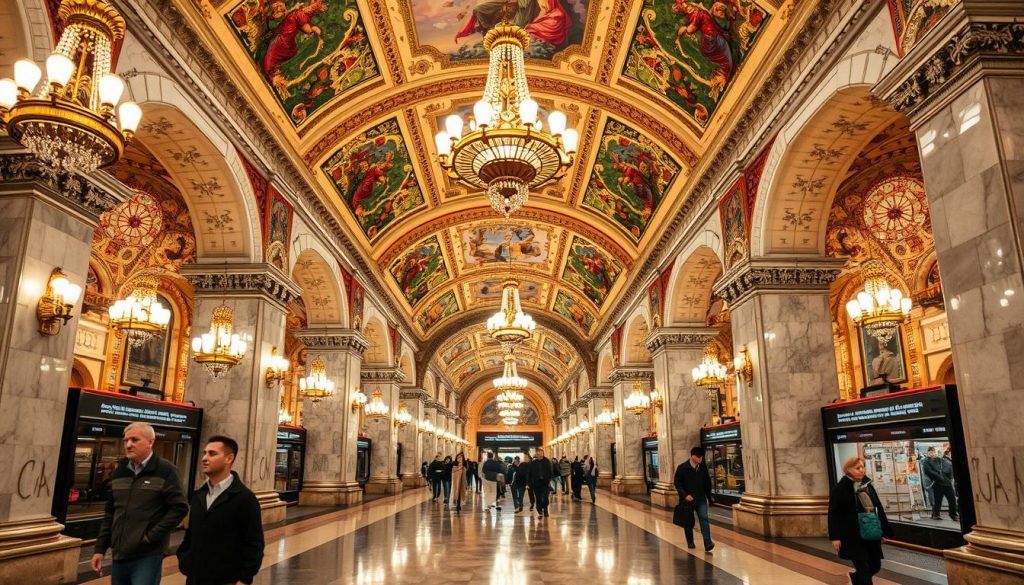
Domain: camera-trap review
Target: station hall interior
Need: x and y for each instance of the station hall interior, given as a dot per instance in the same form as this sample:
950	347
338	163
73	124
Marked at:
353	235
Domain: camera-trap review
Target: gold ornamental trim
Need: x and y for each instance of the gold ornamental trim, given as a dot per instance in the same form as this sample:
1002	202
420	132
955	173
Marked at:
94	15
506	34
63	113
784	505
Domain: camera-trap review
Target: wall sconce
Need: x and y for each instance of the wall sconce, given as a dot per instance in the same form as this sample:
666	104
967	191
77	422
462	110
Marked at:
277	369
426	427
54	308
586	427
657	400
358	399
607	417
402	417
744	368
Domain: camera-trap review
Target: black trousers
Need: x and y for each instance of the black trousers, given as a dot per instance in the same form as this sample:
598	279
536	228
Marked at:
865	568
940	491
541	493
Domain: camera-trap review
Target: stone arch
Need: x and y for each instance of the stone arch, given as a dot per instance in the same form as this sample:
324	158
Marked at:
379	350
689	291
30	33
803	168
321	289
634	351
303	241
204	165
429	386
605	365
407	364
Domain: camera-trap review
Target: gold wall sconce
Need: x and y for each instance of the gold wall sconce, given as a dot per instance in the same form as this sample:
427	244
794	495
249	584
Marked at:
277	369
54	308
657	400
744	367
358	399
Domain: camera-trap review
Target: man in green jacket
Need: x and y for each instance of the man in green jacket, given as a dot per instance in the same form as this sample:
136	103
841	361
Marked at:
146	503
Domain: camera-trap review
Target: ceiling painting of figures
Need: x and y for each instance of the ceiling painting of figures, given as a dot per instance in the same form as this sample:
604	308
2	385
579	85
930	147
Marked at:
420	270
689	51
490	244
459	349
443	307
375	179
630	178
591	270
486	291
567	306
308	52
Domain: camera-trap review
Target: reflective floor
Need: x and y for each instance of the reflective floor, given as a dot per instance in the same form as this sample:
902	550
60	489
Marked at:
409	539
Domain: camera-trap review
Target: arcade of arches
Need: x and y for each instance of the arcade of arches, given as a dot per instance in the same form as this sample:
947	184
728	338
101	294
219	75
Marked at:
745	169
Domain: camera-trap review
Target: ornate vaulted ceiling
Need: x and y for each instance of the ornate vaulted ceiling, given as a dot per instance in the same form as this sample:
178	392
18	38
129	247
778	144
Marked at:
358	87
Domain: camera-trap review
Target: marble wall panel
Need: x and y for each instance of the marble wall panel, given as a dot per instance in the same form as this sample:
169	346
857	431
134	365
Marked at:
331	426
629	434
383	434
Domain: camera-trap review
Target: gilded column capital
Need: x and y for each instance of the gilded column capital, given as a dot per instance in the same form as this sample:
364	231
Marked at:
778	275
333	339
88	196
631	374
414	394
975	38
241	280
664	338
381	375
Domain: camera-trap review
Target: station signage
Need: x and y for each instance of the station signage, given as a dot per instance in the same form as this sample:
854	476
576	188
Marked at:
650	444
887	409
509	439
291	435
105	406
729	434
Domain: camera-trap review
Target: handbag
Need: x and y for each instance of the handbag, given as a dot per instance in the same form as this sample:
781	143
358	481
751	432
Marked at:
869	525
682	515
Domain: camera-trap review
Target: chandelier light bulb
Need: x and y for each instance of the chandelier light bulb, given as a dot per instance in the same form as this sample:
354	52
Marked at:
129	114
8	93
482	113
59	69
453	125
111	88
556	122
26	75
528	111
570	140
443	143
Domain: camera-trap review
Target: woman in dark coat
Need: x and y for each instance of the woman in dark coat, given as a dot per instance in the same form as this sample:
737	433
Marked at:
851	495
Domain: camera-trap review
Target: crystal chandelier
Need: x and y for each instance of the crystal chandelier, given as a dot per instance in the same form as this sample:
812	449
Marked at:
510	381
506	152
376	409
637	402
426	427
284	417
510	325
219	350
710	373
140	316
402	417
316	386
878	308
607	417
69	121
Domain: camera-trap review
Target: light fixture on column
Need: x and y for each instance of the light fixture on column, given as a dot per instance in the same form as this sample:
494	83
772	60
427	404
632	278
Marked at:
505	151
657	400
743	365
219	350
284	417
140	316
879	309
585	426
637	402
425	426
510	325
402	417
710	373
277	369
607	416
316	385
69	121
375	408
54	308
358	399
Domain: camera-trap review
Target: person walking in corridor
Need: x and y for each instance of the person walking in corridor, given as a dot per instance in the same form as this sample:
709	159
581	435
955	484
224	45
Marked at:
542	471
472	477
576	479
492	471
852	496
519	481
224	539
146	503
458	479
590	476
564	470
693	484
446	478
435	475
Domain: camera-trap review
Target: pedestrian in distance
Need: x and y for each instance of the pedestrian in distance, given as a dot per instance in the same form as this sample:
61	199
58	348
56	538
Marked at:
576	479
492	472
542	472
446	479
857	524
435	475
564	470
146	503
224	540
590	476
940	471
458	475
519	481
693	484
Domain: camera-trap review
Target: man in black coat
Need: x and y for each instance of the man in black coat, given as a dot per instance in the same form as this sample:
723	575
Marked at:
693	484
224	540
542	471
435	475
940	471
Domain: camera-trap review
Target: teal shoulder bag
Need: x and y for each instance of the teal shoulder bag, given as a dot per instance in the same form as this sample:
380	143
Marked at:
868	523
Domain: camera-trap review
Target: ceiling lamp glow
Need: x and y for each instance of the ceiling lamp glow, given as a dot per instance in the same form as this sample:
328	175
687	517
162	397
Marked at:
505	151
710	373
637	402
376	409
140	316
607	417
316	386
68	121
878	308
510	325
219	350
510	381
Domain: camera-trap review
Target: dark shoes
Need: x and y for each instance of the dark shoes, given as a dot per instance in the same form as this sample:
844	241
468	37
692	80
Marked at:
710	547
546	514
690	545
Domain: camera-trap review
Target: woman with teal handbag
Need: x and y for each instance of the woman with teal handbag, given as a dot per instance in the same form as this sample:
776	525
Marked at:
857	523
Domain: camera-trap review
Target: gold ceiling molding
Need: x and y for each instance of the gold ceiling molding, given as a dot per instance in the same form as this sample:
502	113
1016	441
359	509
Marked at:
583	171
613	40
422	158
386	39
524	215
628	111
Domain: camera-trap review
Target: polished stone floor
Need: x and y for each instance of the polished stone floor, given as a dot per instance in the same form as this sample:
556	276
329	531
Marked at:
409	539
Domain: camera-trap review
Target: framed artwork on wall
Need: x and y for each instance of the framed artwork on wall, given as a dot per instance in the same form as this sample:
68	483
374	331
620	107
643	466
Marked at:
881	359
149	360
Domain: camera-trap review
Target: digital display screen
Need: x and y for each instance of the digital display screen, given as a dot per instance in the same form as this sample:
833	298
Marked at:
127	409
887	409
730	434
509	439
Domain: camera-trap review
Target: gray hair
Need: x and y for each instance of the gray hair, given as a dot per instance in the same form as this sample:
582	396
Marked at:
145	428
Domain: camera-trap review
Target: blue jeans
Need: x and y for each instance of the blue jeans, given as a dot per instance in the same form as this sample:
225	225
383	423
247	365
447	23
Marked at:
140	571
518	491
447	488
701	509
592	486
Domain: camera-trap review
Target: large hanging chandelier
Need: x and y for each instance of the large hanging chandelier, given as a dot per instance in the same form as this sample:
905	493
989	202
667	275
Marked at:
607	416
219	350
506	152
316	385
878	308
637	402
510	325
69	121
140	316
510	381
710	373
376	409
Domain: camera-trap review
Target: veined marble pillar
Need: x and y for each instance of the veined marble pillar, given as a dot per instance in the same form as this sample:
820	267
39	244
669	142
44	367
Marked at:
572	446
604	435
47	221
781	314
676	351
382	431
332	428
428	443
413	454
963	89
630	432
239	404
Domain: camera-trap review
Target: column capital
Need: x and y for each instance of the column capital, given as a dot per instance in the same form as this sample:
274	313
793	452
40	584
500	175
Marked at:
664	338
382	375
778	275
333	339
87	197
632	373
975	38
246	280
415	394
599	392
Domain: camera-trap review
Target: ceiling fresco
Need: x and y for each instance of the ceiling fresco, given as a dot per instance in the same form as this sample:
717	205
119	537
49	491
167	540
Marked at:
472	354
356	91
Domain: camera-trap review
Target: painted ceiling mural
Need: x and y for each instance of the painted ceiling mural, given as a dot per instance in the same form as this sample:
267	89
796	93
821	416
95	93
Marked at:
489	414
471	356
420	270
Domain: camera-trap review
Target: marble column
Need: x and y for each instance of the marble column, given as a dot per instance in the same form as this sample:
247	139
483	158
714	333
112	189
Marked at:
382	432
428	443
604	435
963	89
630	432
781	314
675	352
239	404
332	427
47	221
409	436
570	423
